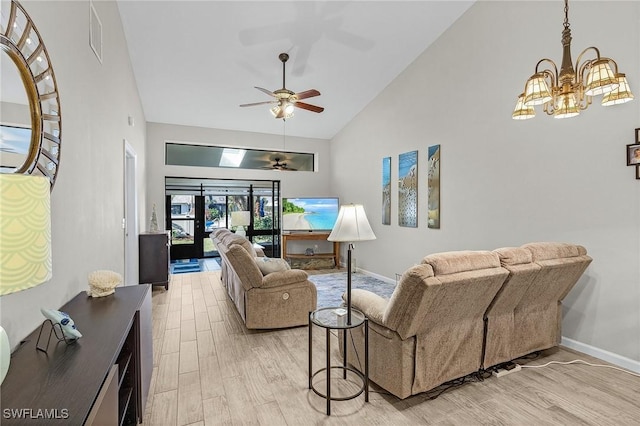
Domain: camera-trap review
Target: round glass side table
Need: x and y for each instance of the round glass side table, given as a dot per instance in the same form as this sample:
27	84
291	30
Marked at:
335	318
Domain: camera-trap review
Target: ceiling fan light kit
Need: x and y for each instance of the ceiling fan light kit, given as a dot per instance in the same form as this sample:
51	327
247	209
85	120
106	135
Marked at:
286	101
565	94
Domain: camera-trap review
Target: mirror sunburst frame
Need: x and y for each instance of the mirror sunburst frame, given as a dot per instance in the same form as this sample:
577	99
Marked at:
21	41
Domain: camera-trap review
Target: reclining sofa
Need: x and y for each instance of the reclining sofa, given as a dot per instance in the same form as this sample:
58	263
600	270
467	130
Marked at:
276	300
460	312
526	314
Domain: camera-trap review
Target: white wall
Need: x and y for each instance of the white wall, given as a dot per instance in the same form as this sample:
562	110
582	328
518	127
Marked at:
293	184
87	204
504	182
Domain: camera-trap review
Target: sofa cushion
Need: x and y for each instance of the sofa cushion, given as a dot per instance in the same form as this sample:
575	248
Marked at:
232	239
514	256
453	262
282	278
268	265
553	250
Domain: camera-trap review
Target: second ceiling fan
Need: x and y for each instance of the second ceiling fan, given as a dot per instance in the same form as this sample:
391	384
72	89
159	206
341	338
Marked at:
286	100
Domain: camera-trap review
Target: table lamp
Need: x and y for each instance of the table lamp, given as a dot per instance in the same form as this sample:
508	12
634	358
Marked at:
351	226
240	219
25	240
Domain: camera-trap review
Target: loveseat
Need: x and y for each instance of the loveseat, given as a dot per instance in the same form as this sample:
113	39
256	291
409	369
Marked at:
460	312
279	299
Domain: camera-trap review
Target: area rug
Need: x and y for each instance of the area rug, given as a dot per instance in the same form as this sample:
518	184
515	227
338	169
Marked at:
332	286
185	266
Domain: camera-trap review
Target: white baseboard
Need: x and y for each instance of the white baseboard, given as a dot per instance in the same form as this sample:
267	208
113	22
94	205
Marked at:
602	354
380	277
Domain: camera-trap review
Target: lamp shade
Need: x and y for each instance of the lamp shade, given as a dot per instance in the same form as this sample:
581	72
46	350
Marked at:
620	94
351	225
536	91
240	218
566	107
521	111
25	232
600	79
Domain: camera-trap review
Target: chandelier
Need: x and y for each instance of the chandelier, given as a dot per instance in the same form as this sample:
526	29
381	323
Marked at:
565	94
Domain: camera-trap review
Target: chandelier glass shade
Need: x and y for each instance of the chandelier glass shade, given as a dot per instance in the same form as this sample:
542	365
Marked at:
565	93
620	94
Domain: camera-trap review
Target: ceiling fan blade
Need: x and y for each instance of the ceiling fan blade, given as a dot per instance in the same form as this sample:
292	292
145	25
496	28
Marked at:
259	103
283	168
309	107
268	92
307	94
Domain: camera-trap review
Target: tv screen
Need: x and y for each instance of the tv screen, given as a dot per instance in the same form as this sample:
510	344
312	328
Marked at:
309	214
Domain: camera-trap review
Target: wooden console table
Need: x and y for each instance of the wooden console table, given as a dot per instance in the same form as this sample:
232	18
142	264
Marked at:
311	236
102	379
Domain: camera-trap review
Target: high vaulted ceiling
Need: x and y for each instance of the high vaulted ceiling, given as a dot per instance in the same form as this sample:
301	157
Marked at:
195	62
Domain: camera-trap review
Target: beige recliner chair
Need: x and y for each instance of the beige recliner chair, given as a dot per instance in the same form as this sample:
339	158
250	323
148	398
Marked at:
431	330
526	315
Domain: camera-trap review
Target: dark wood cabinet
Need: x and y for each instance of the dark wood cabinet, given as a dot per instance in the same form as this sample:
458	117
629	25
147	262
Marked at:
154	259
101	379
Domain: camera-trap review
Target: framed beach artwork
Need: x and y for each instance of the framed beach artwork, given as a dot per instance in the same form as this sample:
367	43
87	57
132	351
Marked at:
386	191
408	189
433	185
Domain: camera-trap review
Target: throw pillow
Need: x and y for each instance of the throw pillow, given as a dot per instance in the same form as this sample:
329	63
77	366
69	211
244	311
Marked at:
268	265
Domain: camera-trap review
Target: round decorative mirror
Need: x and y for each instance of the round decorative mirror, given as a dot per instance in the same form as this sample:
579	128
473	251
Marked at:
30	124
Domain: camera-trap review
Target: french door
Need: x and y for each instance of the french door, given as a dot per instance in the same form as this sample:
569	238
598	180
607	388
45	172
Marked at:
195	210
185	219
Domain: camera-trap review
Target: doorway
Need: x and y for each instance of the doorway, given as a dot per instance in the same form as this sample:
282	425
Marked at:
197	207
130	220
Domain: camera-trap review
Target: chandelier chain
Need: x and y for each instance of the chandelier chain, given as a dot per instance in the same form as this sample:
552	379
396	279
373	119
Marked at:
566	13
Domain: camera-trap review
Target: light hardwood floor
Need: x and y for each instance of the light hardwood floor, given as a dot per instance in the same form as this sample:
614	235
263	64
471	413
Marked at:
210	370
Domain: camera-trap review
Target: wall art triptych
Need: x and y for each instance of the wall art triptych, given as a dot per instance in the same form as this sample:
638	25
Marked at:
408	189
386	191
433	185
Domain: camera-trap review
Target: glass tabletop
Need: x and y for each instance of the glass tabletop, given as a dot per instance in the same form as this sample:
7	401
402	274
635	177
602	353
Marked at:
336	317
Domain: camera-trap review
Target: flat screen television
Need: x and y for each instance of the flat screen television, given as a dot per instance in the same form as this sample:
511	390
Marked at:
309	213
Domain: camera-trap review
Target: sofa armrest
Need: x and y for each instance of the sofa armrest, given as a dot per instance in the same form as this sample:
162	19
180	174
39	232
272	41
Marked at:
290	276
370	304
259	251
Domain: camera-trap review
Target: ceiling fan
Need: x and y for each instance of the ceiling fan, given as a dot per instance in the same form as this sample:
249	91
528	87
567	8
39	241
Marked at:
280	166
285	99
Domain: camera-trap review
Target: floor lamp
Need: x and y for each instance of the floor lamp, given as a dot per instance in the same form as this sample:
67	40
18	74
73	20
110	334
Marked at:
351	226
240	219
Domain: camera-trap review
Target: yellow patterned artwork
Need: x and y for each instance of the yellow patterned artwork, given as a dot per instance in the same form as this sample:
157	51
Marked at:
25	232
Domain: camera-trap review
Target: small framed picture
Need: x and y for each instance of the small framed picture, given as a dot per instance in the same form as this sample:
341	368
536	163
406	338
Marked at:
638	135
637	172
633	154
